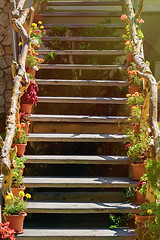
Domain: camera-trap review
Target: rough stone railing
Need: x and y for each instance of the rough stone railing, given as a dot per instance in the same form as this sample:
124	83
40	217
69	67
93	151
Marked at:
149	112
21	22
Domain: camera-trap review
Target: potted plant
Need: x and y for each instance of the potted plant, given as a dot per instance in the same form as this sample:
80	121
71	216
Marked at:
29	98
135	99
6	233
15	211
32	62
137	147
136	83
20	140
147	212
135	116
43	6
24	122
141	190
17	179
36	33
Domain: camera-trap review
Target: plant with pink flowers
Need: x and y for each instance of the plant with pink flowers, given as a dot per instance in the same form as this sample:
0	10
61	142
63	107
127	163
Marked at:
36	33
6	233
30	95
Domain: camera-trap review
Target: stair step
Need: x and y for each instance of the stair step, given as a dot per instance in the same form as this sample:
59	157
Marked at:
82	196
110	25
84	39
83	14
81	207
74	137
64	159
85	100
79	182
77	118
77	234
83	52
66	82
84	3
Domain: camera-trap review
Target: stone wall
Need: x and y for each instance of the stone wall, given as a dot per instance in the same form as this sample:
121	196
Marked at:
6	56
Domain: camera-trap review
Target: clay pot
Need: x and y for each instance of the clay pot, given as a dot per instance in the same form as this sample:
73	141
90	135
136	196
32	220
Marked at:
31	71
135	127
138	170
130	58
133	89
27	108
26	128
140	197
43	7
20	149
16	191
38	17
16	222
142	219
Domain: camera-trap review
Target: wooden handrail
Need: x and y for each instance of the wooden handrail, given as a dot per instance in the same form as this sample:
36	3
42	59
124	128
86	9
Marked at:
149	112
19	18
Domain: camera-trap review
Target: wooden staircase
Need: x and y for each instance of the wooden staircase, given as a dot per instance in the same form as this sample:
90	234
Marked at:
77	194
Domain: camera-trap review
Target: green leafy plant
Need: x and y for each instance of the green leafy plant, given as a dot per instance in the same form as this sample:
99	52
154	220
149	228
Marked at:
15	205
20	136
130	194
50	9
148	209
153	173
49	58
143	184
136	114
17	179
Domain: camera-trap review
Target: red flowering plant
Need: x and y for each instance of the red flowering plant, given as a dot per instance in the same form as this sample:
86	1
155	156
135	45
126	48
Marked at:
36	33
143	184
30	95
23	118
20	136
32	60
6	233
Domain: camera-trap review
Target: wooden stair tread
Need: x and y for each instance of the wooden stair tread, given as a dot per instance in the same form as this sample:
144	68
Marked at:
84	3
83	14
76	159
110	25
89	100
83	52
80	207
66	82
78	234
81	66
84	39
80	182
77	118
74	137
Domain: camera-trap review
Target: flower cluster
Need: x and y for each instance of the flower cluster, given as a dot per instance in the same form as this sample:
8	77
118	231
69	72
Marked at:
23	118
6	233
123	17
135	99
133	76
30	95
20	136
36	33
32	60
15	205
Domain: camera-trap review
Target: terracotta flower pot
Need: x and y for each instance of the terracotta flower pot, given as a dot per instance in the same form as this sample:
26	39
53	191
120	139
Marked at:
16	222
133	89
135	127
130	58
27	108
138	170
31	71
26	128
140	197
20	149
140	220
43	7
38	17
16	191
